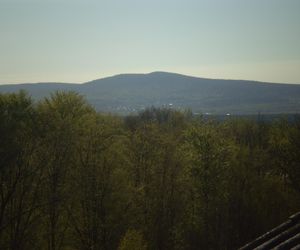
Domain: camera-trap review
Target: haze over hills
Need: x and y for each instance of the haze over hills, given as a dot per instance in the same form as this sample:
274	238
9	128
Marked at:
127	93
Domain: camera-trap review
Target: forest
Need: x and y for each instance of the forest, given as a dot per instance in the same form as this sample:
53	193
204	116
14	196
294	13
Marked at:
73	178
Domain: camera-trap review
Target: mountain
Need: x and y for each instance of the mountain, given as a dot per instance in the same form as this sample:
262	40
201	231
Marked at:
127	93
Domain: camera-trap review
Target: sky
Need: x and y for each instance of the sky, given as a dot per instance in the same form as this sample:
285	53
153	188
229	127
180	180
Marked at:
81	40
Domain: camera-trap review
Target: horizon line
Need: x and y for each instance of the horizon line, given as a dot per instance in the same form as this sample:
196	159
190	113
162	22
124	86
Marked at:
149	73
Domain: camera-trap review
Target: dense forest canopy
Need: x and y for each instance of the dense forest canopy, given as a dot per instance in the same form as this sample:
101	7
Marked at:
73	178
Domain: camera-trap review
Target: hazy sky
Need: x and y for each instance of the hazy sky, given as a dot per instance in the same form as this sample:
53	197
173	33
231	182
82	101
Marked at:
80	40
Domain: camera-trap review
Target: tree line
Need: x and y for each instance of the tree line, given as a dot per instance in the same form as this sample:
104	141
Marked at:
73	178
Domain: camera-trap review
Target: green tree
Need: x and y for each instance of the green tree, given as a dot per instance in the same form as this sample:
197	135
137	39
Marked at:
60	119
157	178
100	181
133	240
19	176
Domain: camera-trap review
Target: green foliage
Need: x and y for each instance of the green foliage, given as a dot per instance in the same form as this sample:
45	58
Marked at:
132	240
72	178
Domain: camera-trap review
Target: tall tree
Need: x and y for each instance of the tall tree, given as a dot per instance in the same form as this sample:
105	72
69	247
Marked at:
60	119
19	175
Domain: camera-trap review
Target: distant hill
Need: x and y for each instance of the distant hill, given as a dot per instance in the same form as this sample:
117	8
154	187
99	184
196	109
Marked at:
127	93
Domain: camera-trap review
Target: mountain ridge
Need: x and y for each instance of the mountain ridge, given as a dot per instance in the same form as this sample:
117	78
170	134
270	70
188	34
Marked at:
149	74
126	93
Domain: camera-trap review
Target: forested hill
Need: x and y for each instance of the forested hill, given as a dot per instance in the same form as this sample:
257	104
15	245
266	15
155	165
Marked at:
128	93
